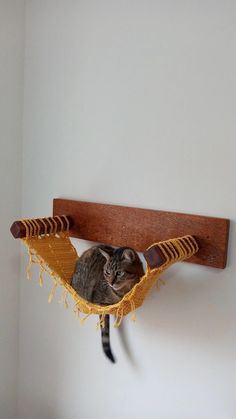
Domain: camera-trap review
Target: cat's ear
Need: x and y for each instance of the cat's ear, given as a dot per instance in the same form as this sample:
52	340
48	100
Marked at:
105	254
128	255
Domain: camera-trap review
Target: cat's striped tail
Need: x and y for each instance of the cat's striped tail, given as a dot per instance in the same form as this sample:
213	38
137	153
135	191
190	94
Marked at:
105	332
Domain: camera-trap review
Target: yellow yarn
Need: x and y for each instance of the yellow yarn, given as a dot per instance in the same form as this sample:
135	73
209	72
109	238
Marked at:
56	255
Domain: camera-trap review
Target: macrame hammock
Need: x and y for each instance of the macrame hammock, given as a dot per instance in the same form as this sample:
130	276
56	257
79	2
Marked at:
55	255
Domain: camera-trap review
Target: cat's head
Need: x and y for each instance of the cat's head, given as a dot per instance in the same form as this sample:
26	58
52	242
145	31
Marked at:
123	269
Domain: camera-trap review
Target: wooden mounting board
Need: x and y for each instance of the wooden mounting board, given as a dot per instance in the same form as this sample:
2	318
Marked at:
140	228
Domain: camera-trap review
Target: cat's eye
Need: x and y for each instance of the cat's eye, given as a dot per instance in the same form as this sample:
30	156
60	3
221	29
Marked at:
119	273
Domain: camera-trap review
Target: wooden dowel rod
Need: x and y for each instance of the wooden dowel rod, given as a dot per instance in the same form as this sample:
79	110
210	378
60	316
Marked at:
18	229
154	257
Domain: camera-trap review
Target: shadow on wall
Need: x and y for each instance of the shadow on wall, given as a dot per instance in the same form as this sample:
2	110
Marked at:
192	307
196	305
127	347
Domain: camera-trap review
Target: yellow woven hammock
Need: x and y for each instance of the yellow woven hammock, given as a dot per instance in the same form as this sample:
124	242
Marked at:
56	255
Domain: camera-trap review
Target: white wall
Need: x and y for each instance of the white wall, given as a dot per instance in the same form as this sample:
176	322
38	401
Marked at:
132	102
11	99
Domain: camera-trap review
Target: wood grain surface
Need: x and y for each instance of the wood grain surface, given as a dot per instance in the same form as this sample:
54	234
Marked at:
140	228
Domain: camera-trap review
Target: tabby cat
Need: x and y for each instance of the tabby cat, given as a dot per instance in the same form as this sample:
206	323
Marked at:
103	275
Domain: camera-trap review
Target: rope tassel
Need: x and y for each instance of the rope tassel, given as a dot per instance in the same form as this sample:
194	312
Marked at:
133	313
76	310
51	295
41	277
63	299
83	319
28	270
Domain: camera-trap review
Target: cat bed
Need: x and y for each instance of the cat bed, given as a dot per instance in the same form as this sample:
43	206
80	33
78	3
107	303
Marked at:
55	255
